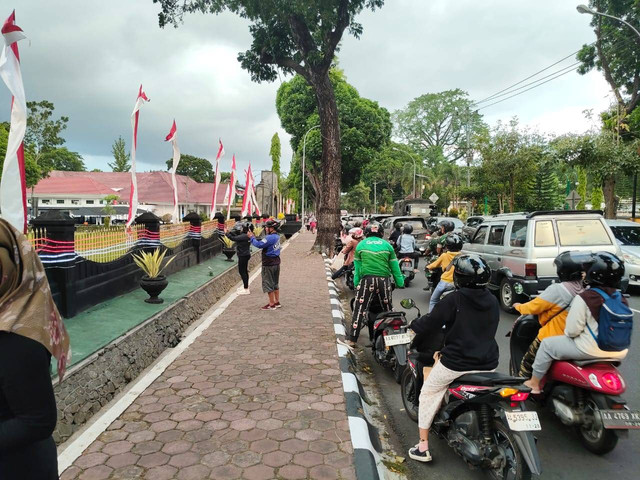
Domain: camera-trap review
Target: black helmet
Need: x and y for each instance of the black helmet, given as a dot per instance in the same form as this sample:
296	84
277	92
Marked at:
453	242
470	271
373	229
238	228
570	265
272	224
407	228
447	225
606	270
398	226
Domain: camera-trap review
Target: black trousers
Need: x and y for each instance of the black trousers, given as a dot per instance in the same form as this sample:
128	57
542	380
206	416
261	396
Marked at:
370	291
243	269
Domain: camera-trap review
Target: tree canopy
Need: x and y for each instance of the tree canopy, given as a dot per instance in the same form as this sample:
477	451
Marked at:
121	159
199	169
62	159
274	153
437	124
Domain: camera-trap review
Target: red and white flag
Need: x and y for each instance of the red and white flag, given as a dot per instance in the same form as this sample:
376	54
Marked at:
216	183
133	194
231	188
13	189
173	138
254	200
246	199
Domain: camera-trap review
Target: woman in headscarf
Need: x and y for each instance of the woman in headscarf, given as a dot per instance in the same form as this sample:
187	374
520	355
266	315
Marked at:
31	331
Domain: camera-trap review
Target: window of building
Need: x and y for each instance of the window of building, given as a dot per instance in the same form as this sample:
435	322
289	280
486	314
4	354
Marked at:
75	202
46	201
519	233
60	202
89	202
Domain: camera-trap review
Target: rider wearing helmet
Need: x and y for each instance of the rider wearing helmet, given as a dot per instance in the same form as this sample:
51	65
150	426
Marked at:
552	305
406	245
375	262
349	250
470	317
579	341
444	228
453	245
397	231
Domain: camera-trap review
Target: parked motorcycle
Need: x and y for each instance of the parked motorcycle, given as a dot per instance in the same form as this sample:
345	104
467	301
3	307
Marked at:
582	394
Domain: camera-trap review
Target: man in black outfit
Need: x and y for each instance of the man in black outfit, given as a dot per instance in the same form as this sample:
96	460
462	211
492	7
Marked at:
239	235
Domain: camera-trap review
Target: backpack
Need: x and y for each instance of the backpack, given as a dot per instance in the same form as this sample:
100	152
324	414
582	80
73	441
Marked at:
614	324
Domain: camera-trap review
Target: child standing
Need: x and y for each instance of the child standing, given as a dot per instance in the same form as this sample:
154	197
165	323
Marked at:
270	246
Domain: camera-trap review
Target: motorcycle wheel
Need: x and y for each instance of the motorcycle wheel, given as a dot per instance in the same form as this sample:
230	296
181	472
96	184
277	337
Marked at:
594	436
407	389
398	371
515	467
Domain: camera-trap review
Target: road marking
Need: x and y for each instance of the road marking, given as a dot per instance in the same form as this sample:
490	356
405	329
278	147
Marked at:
136	388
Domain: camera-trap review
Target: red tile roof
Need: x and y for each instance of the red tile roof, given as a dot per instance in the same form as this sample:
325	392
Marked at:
153	187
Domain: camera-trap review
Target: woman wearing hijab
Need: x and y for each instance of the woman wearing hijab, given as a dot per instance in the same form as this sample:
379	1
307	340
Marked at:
31	331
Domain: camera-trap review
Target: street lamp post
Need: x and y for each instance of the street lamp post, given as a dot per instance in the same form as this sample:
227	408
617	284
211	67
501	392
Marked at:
414	168
304	154
584	9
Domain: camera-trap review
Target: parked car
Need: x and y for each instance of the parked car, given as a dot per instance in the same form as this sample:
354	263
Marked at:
521	248
628	236
472	224
419	224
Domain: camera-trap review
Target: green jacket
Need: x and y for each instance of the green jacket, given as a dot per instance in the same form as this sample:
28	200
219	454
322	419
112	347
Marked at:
375	256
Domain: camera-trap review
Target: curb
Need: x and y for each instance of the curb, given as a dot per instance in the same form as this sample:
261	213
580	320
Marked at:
364	436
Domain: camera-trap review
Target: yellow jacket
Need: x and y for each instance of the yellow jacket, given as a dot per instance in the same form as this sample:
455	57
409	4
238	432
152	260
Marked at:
443	262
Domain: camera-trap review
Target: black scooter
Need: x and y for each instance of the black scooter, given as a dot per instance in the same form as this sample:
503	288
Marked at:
483	417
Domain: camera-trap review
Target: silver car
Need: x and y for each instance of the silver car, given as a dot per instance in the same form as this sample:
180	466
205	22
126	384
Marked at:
628	236
521	247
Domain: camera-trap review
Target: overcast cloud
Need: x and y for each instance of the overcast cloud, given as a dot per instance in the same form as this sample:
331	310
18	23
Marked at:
89	57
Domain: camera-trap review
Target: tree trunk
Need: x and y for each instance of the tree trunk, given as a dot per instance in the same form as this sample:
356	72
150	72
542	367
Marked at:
609	190
328	214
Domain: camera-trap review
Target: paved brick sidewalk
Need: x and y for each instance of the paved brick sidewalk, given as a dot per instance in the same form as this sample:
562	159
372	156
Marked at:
257	396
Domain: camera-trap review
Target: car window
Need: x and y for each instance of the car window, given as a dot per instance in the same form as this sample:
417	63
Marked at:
519	233
416	224
480	235
496	235
472	222
544	234
627	235
582	232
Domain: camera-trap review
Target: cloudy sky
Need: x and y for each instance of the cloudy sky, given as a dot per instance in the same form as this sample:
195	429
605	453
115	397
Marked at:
89	57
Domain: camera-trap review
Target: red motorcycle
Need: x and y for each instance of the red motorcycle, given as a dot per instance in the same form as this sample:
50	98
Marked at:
583	394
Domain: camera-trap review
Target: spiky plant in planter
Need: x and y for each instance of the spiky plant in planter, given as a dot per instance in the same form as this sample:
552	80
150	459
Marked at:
228	247
153	282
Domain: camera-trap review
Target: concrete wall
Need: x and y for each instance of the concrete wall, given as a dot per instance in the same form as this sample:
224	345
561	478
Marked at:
91	384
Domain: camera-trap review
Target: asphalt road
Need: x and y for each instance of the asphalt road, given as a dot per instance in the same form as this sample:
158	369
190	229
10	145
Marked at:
561	452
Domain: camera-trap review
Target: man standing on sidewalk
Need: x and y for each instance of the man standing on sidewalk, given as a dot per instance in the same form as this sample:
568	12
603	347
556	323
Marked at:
270	246
375	262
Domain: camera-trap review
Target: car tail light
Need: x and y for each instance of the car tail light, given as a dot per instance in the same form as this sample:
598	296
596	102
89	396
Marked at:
612	381
530	270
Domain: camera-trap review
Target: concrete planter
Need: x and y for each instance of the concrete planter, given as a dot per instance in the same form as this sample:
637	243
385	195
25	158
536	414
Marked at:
153	287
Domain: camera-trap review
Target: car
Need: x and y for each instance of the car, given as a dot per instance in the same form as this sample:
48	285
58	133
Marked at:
472	224
520	248
419	224
379	217
628	236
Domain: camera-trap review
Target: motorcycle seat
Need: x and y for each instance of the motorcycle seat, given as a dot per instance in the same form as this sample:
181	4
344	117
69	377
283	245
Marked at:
581	363
488	378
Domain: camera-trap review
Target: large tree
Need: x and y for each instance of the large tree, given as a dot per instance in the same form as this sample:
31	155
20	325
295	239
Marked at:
302	37
199	169
365	129
274	153
615	51
121	159
62	159
439	125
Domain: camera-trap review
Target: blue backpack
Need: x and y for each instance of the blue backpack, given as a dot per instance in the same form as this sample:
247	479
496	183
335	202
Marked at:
614	324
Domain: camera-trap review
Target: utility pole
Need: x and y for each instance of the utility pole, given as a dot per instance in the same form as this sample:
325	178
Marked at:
375	198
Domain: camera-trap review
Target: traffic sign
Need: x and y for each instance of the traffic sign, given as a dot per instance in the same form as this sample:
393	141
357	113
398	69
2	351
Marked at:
434	198
573	199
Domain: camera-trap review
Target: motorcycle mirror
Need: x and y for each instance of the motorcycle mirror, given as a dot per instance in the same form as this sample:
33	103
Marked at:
407	303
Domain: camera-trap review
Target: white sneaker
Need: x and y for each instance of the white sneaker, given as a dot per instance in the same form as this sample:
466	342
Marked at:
243	291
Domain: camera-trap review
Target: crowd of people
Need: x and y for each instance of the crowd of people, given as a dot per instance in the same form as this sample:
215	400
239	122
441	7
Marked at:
464	323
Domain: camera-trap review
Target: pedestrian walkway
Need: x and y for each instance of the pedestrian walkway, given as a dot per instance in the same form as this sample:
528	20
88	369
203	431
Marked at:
257	396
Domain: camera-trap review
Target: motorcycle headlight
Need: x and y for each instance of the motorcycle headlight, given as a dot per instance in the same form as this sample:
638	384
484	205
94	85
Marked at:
632	259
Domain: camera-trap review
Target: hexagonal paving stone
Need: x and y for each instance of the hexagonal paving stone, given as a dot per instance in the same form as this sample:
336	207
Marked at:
308	434
258	472
246	459
118	447
253	434
276	459
243	424
323	446
145	448
294	445
128	472
293	472
264	446
225	472
281	434
153	459
90	460
100	472
194	472
122	460
308	459
185	459
163	426
270	424
215	459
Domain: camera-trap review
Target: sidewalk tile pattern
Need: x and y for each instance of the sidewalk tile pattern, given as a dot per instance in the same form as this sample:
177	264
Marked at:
257	396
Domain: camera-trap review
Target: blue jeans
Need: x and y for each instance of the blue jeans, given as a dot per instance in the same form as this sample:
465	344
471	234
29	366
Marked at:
437	293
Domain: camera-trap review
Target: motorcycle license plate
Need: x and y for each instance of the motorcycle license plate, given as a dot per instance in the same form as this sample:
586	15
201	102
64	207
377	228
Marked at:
398	339
523	421
621	419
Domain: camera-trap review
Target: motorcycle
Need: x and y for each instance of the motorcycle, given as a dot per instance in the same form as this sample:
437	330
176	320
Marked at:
483	417
433	276
582	394
406	268
347	273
